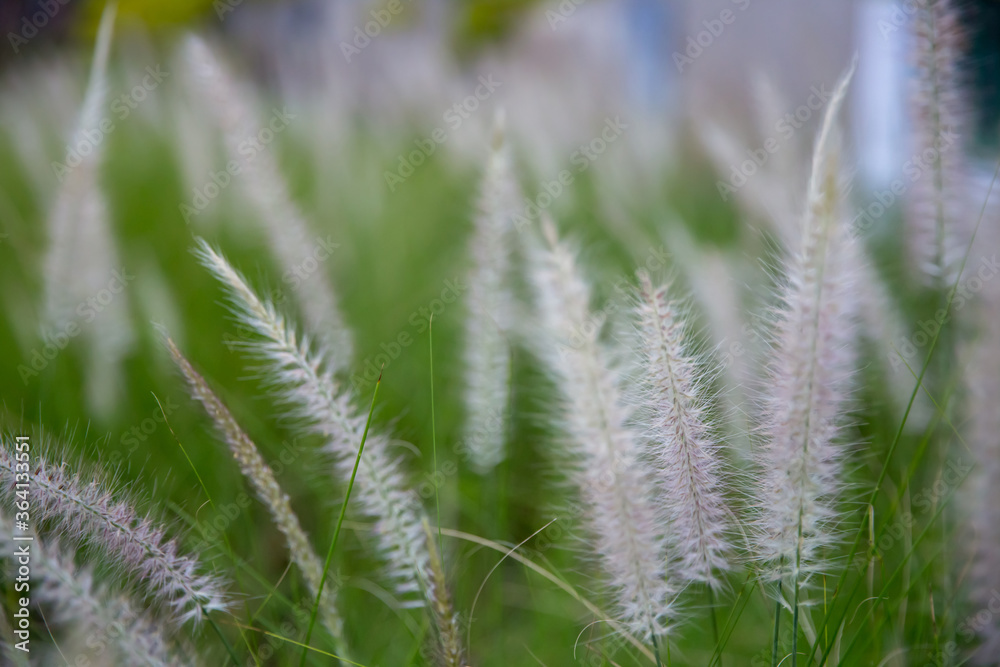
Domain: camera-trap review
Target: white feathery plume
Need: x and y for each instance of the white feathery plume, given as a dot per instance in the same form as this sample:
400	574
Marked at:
615	485
261	180
261	477
938	204
490	305
94	514
304	382
82	257
134	636
674	411
810	369
767	198
78	222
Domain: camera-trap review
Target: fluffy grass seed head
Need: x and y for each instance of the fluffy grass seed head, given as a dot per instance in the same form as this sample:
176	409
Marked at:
81	265
674	411
261	477
490	309
303	382
810	370
939	203
614	483
75	598
92	513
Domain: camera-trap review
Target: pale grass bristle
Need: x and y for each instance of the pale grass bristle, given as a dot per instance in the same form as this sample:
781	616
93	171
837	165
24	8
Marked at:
490	309
261	181
75	599
261	477
92	513
615	485
303	382
810	371
674	409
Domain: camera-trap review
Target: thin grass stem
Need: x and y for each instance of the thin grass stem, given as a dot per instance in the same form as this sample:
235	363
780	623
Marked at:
715	621
437	494
340	523
777	627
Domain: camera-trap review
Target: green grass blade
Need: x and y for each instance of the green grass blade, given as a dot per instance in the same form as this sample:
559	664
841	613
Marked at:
437	494
340	523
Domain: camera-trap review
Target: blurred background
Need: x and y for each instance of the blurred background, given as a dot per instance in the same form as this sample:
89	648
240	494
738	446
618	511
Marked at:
653	107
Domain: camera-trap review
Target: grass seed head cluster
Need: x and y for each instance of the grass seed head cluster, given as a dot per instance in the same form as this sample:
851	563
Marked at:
631	413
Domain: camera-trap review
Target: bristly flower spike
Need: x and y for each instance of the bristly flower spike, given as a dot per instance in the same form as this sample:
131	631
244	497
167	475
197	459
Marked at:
617	488
810	370
133	636
91	513
674	413
490	306
302	380
938	206
261	477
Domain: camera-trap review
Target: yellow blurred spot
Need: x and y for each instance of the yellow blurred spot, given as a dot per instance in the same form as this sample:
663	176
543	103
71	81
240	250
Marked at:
154	14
